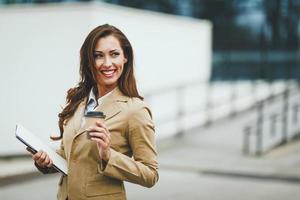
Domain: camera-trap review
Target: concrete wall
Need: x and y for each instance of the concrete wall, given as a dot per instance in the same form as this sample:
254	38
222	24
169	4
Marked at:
39	56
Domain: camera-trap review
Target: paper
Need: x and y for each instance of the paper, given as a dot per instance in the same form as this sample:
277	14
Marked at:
33	142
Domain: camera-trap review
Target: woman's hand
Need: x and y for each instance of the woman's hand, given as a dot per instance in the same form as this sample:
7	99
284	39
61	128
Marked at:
101	136
41	158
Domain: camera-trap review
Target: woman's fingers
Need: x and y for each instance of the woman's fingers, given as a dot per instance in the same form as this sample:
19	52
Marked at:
100	129
50	164
46	161
97	129
101	136
101	143
102	124
42	159
37	155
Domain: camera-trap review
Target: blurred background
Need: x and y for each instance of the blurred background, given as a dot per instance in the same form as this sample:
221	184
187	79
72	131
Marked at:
221	76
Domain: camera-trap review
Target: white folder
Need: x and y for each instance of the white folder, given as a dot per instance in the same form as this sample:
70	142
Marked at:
35	144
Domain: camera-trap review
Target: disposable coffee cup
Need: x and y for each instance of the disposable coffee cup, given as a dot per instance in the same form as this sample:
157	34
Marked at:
91	118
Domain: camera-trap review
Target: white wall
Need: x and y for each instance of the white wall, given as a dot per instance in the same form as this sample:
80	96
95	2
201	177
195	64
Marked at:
39	56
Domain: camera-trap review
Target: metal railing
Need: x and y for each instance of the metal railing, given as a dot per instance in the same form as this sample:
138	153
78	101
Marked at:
276	123
181	112
206	110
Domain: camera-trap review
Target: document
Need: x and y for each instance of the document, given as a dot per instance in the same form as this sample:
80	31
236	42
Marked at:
34	143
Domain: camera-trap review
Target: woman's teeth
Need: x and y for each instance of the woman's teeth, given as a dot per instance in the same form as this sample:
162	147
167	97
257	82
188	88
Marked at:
108	72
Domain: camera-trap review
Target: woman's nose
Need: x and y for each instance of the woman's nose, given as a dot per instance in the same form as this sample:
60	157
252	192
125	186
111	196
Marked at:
107	62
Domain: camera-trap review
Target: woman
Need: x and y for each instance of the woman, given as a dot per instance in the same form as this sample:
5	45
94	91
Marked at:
122	148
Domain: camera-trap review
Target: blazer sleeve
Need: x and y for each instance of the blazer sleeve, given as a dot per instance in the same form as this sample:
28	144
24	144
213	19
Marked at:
50	170
142	168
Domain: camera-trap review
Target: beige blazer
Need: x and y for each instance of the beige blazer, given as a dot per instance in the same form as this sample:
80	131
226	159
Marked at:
133	151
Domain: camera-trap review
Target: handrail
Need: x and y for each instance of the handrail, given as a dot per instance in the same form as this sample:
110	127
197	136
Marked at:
206	109
179	89
256	129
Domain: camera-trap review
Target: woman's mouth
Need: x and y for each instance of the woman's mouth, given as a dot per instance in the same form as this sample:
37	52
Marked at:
108	73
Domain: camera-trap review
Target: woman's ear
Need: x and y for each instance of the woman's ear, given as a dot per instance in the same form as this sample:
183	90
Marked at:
125	60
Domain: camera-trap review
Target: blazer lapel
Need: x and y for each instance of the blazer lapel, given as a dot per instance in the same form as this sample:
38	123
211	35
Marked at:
78	115
75	122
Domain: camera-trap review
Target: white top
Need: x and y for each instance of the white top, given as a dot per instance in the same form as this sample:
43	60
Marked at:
92	103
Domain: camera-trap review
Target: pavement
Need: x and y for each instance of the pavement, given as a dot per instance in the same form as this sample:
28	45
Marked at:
215	150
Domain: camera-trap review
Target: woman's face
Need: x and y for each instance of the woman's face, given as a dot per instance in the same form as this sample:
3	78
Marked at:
109	60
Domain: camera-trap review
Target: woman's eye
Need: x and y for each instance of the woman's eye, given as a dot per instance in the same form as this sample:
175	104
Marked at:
115	54
97	56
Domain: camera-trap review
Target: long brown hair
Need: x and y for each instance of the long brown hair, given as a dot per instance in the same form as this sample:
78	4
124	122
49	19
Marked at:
126	83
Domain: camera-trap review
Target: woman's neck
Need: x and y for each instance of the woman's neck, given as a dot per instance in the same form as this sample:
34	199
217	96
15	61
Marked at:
104	90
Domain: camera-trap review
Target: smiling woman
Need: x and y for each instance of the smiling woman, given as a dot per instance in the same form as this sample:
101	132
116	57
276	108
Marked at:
109	62
119	148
